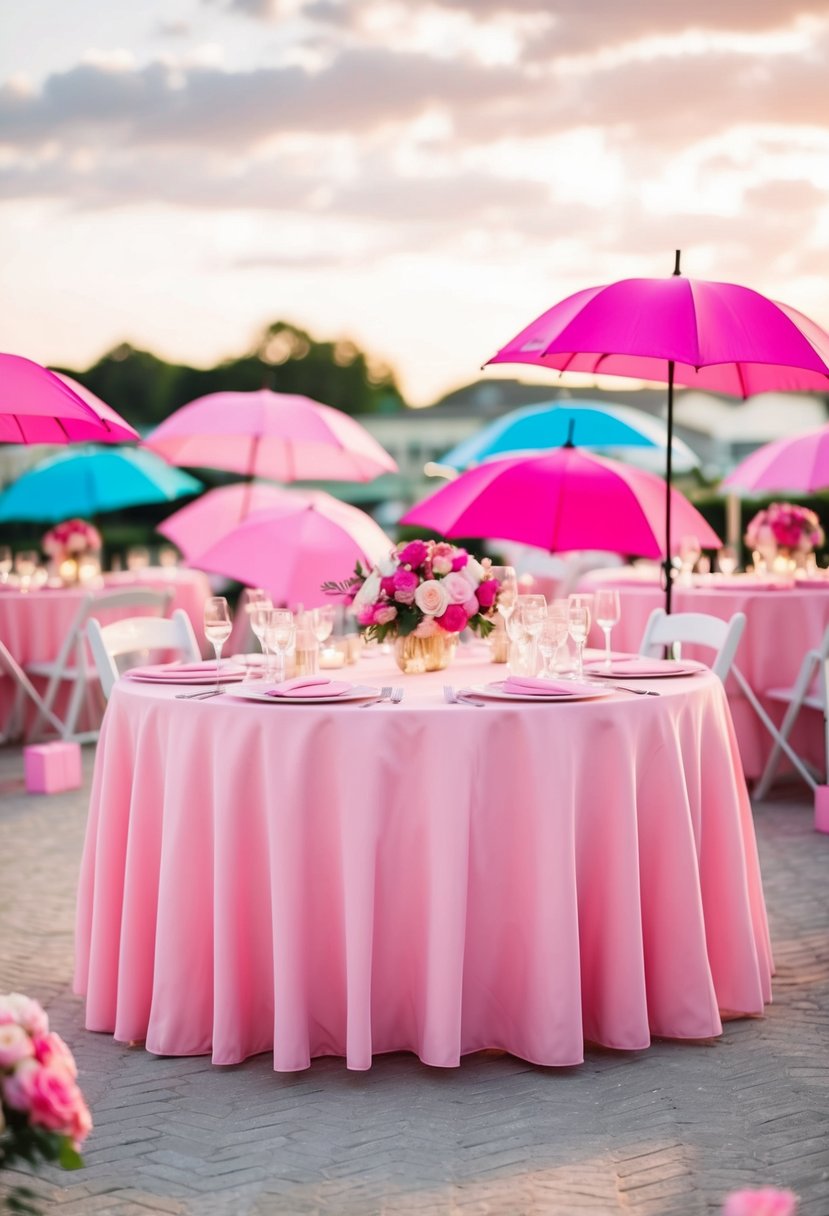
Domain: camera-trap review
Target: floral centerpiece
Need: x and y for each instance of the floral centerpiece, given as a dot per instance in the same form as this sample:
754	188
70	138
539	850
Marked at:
423	595
67	543
784	528
43	1115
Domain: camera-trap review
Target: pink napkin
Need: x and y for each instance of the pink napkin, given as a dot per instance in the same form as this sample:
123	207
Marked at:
309	686
550	688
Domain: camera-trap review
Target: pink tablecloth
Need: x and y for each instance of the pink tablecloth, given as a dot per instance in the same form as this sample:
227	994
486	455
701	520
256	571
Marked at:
781	625
327	880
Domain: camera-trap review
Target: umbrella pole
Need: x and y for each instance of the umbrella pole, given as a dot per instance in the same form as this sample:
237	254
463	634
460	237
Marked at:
668	566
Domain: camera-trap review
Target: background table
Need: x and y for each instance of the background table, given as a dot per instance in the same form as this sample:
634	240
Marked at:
782	623
328	880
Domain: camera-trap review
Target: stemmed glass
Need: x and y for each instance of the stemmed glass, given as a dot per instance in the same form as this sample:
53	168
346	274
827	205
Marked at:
217	626
25	564
552	633
258	605
689	555
5	563
507	590
280	633
533	612
727	559
322	622
578	626
608	611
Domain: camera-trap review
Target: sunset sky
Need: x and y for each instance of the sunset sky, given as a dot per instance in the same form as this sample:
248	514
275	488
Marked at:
422	177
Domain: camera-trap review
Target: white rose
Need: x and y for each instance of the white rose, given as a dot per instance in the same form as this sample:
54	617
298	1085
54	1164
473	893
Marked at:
369	591
431	597
473	571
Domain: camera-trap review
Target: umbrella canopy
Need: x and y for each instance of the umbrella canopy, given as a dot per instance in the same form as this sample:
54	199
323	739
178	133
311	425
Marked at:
40	406
292	549
91	481
539	427
200	524
562	500
267	434
716	336
799	464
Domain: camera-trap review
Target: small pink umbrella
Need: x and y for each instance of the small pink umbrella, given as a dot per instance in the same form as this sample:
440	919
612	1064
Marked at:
796	464
716	336
562	500
41	406
267	434
293	548
203	522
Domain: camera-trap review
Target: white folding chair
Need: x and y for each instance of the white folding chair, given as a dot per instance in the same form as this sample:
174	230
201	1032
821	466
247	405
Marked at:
699	628
137	635
13	725
808	691
72	664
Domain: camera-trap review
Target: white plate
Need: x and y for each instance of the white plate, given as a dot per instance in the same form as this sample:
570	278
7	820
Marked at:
187	677
619	672
360	692
484	690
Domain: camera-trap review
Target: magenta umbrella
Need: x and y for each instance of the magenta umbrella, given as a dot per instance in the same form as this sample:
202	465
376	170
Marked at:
203	522
41	406
293	548
715	336
267	434
799	463
562	500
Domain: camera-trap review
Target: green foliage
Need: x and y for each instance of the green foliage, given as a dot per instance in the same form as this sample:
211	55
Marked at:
22	1141
146	389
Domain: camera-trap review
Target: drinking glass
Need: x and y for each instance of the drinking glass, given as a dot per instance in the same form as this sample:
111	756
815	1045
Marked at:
727	559
552	633
533	609
217	626
25	564
689	555
322	622
579	599
257	605
608	611
138	557
281	632
508	589
519	640
5	563
578	626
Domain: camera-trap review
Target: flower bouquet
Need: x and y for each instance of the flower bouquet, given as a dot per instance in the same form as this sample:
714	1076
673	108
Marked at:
423	595
43	1115
785	528
67	543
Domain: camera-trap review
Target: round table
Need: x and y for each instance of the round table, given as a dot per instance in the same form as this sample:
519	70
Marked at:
782	623
330	880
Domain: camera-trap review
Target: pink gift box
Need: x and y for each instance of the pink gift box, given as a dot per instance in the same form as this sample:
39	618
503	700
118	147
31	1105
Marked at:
52	767
822	808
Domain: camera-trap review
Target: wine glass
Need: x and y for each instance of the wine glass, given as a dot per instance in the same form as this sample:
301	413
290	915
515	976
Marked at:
25	564
257	606
5	563
281	632
322	622
727	560
520	639
580	599
608	610
552	633
507	590
578	626
533	609
689	555
217	626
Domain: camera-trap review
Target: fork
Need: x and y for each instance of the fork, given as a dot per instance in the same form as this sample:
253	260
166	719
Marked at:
199	696
386	694
453	698
639	692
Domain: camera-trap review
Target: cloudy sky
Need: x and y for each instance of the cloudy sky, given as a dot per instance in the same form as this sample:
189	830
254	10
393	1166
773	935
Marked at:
425	177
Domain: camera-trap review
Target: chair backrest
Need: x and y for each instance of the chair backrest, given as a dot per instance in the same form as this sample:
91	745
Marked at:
698	628
137	634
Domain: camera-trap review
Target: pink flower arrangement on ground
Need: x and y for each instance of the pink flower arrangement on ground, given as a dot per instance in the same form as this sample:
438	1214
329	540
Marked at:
768	1201
43	1114
71	539
422	588
787	526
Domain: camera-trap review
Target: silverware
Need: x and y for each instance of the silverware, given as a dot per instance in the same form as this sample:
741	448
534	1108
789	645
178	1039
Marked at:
639	692
397	696
453	698
385	695
199	696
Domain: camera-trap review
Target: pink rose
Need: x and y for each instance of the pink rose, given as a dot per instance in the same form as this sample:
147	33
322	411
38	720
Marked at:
26	1012
441	565
384	614
413	554
766	1202
365	616
471	607
405	583
387	585
15	1045
457	588
427	628
51	1051
487	592
454	618
18	1087
431	597
55	1099
460	559
80	1124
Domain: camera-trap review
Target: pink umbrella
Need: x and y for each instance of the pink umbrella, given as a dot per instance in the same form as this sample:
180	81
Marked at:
562	500
293	548
715	336
197	526
267	434
40	406
799	463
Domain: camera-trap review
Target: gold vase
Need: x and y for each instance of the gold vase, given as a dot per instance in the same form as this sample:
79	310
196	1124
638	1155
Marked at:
414	655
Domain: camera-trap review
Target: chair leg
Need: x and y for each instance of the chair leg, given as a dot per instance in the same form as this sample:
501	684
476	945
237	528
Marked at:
799	691
751	697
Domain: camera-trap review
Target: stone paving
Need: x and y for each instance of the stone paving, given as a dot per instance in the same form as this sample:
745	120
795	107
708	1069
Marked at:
666	1132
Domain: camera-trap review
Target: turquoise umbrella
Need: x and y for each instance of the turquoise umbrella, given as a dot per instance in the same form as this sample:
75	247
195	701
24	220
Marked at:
92	480
606	429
